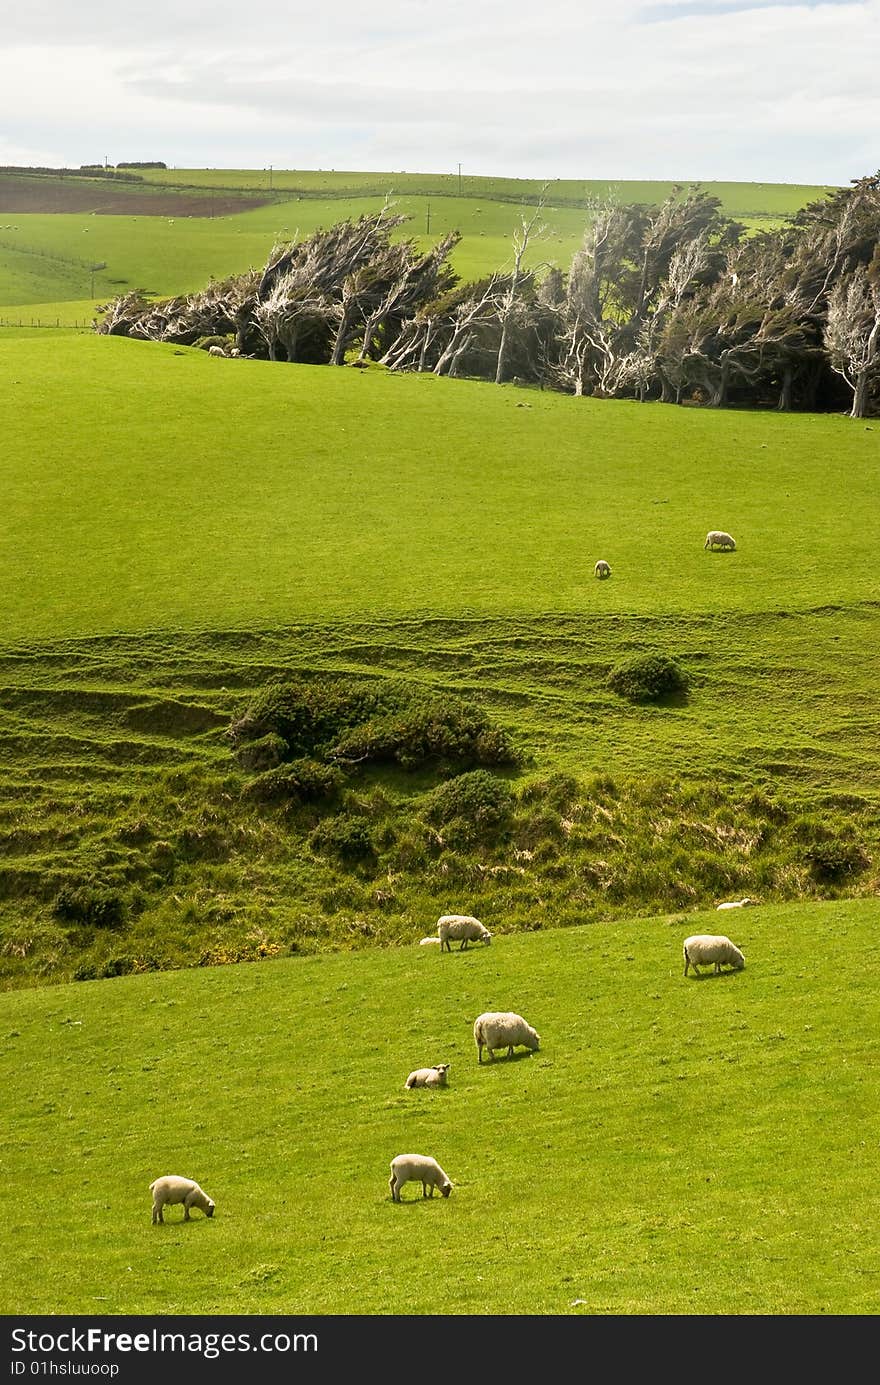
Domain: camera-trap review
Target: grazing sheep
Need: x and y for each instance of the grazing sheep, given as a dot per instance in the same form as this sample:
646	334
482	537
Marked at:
503	1029
602	569
735	904
716	538
216	351
420	1168
429	942
706	949
172	1189
428	1077
461	926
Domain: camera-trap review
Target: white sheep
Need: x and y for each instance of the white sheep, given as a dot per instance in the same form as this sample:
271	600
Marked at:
708	949
716	538
602	569
173	1188
429	942
216	351
735	904
462	926
420	1168
503	1029
428	1077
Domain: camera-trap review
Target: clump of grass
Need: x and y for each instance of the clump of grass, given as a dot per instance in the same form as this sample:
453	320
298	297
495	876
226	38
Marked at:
93	905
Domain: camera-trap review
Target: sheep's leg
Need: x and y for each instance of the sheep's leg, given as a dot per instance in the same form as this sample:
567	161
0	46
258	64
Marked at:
463	944
395	1190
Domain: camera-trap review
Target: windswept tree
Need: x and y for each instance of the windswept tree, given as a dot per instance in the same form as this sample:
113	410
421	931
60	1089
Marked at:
410	281
620	281
852	334
510	303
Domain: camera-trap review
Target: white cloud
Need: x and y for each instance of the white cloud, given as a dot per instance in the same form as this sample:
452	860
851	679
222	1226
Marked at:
670	89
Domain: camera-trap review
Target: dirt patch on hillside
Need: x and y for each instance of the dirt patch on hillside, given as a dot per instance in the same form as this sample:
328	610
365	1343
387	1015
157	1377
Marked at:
35	194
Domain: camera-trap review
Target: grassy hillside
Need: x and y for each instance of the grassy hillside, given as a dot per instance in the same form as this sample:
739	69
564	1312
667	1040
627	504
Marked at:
675	1147
740	200
181	531
45	257
205	494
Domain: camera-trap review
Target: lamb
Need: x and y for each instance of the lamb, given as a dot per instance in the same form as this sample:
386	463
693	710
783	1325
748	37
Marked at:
503	1029
602	569
428	1077
172	1189
716	538
735	904
704	949
420	1168
429	942
462	926
216	351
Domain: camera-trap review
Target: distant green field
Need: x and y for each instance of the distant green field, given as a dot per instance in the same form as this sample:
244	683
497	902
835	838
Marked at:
676	1146
739	199
46	258
154	487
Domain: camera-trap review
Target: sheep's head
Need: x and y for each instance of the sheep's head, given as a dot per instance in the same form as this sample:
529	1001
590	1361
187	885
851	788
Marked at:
485	936
209	1210
534	1041
446	1189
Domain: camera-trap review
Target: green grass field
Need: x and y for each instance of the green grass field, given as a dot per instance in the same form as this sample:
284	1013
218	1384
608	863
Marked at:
178	532
46	258
211	495
182	530
675	1147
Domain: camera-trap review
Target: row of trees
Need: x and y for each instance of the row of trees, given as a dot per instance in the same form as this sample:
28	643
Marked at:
674	302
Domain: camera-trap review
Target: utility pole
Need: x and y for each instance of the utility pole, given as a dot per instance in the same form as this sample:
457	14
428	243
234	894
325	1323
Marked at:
270	177
459	180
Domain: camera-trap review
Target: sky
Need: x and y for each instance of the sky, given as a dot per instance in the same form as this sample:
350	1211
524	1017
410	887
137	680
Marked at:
691	90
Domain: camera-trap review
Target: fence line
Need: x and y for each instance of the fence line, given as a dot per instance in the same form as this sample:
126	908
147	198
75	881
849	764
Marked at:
38	322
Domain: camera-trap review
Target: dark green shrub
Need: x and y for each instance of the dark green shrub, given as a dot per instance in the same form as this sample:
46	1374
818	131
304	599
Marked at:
118	966
90	904
473	807
346	837
355	722
430	732
301	781
648	678
308	716
86	971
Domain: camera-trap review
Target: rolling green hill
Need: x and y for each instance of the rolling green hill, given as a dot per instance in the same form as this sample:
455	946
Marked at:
675	1146
180	531
46	256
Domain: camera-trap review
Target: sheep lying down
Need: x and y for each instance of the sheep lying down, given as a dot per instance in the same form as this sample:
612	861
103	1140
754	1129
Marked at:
428	1077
